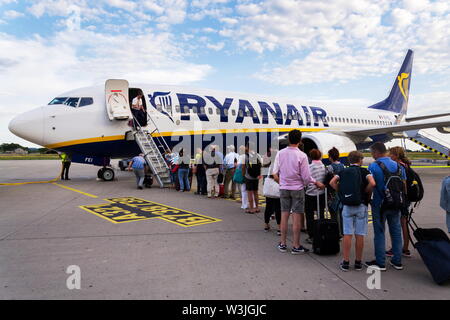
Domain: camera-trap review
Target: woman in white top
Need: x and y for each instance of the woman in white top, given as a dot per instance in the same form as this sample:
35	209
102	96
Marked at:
318	172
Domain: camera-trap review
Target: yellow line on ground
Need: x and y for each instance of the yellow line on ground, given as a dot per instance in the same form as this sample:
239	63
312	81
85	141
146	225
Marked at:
74	190
31	182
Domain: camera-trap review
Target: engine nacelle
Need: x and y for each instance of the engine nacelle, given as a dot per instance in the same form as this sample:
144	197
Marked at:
445	130
325	141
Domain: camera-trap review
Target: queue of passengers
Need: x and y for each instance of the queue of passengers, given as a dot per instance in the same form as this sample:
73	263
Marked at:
295	185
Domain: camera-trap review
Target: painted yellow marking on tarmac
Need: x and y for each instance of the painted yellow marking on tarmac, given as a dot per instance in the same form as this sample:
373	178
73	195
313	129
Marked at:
30	182
75	190
129	209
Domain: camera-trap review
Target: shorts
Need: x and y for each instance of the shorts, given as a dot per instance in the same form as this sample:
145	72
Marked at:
355	220
292	201
251	185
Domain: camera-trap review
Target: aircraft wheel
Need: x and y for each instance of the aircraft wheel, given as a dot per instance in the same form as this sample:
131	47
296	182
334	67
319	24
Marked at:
107	174
100	173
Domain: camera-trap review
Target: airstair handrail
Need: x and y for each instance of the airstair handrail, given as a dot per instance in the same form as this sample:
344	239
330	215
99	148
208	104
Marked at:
159	137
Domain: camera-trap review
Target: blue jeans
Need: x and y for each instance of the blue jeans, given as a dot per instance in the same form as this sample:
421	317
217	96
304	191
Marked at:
395	230
183	178
140	175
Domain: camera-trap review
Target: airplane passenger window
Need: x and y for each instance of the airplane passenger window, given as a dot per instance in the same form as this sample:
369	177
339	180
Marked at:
85	102
217	111
225	112
177	108
233	112
202	110
241	113
58	101
210	111
194	110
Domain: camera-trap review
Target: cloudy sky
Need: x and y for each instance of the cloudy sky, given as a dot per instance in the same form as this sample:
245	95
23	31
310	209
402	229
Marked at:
331	53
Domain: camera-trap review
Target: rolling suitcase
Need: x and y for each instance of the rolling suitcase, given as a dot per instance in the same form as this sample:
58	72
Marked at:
148	180
433	246
326	233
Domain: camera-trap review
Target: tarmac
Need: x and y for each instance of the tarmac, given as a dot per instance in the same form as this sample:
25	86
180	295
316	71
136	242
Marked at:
162	244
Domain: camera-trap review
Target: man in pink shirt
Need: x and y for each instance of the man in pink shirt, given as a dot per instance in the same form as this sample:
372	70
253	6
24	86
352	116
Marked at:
291	171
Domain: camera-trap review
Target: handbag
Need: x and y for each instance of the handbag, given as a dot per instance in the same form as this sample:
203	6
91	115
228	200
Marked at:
175	168
271	188
238	177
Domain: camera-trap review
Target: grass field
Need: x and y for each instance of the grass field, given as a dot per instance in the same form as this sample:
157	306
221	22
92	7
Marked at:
416	155
29	157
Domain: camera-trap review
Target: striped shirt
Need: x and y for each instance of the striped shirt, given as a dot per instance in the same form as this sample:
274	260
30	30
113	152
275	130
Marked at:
318	172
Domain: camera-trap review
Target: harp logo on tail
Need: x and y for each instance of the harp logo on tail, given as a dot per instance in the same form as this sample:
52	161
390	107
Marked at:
403	84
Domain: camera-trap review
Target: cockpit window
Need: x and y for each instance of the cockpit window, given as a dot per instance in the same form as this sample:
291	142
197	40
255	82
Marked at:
58	101
73	102
85	102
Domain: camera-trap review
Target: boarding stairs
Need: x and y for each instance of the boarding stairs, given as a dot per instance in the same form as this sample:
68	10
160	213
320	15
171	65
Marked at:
152	146
427	140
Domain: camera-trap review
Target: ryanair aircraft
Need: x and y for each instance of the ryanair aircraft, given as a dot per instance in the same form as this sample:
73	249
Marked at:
95	124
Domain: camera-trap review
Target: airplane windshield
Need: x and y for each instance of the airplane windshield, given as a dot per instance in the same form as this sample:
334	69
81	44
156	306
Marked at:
72	101
58	101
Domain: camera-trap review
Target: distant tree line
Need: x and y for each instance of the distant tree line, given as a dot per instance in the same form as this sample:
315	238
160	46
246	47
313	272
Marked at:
10	147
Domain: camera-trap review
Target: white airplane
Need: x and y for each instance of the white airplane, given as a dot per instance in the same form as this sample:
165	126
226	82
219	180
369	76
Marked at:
93	124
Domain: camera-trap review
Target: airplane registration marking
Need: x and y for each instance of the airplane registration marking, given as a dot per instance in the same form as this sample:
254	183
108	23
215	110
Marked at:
129	209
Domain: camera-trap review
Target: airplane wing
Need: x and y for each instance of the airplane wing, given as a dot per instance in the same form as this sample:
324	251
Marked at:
398	128
411	119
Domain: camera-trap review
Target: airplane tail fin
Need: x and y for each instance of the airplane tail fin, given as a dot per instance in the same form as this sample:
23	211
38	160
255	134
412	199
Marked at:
398	98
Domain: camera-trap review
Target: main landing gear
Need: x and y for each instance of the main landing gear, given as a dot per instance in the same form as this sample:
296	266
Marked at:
106	174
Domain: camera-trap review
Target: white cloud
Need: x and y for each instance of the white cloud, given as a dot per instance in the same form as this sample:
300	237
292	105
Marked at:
216	47
12	14
402	18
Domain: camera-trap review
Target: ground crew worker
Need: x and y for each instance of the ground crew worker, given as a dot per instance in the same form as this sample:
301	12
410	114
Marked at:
66	161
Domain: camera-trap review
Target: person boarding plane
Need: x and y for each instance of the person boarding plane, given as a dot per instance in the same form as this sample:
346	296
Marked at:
96	124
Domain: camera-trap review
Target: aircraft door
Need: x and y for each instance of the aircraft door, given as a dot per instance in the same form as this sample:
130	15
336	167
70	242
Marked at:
116	94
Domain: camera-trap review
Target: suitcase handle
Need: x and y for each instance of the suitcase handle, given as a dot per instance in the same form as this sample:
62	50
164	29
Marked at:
325	210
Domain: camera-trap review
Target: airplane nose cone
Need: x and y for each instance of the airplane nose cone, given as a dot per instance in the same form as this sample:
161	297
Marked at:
29	126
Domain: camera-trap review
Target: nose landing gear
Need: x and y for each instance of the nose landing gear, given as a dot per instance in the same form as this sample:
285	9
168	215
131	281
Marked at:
106	174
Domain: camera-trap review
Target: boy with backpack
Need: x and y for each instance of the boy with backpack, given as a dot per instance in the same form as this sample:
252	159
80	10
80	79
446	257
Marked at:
355	189
388	199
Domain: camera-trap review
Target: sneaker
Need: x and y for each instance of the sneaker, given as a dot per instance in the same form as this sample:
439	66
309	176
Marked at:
375	265
389	253
309	240
397	266
282	247
278	233
266	229
358	265
345	265
299	250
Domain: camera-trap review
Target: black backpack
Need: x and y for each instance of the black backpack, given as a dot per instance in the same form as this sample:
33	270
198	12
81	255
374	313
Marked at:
414	186
394	188
253	165
350	181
